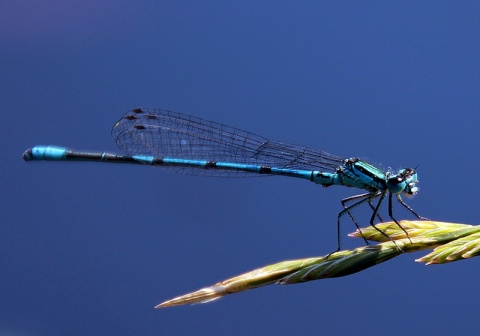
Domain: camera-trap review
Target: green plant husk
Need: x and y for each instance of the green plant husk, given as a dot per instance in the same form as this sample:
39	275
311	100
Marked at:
450	242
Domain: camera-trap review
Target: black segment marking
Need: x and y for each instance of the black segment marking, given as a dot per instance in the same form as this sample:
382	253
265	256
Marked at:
265	170
210	164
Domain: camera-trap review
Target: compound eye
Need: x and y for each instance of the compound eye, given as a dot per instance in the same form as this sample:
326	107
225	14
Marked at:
396	179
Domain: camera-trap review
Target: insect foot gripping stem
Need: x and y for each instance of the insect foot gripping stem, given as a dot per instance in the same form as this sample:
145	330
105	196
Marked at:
404	182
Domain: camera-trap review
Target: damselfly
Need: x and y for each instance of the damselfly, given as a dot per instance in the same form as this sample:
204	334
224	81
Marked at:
192	145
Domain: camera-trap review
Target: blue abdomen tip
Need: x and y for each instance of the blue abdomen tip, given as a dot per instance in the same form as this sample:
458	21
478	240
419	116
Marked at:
44	153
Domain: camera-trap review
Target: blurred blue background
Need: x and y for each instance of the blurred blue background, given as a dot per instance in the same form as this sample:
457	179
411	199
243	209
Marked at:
89	249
